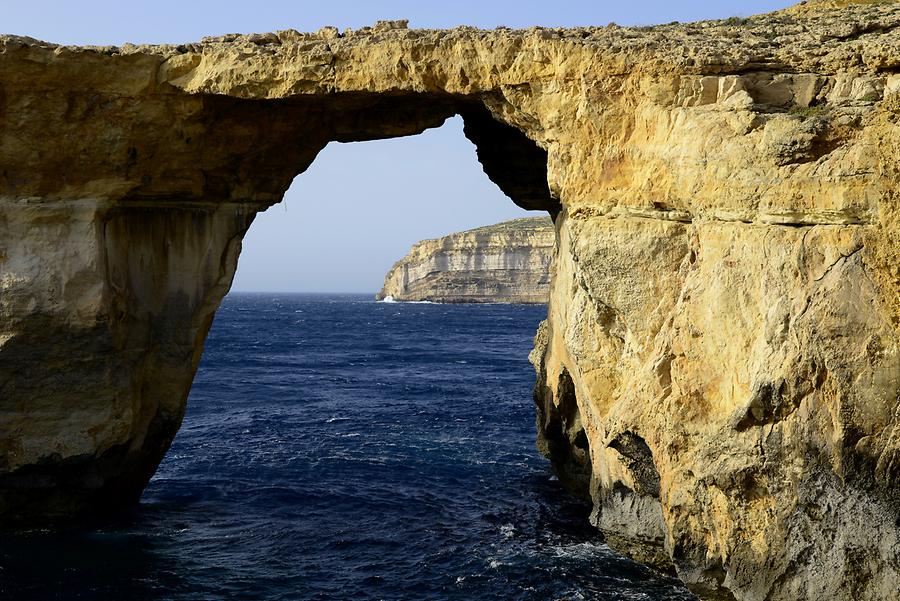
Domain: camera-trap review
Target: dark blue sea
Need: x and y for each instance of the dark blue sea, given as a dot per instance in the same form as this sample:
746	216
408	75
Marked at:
339	448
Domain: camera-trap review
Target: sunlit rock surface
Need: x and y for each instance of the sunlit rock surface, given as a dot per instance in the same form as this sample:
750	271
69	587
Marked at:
719	368
504	263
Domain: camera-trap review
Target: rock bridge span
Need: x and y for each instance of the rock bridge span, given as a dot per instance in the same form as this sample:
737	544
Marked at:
720	367
123	221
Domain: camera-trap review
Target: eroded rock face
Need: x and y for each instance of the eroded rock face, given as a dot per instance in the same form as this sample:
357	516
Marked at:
720	367
105	308
507	262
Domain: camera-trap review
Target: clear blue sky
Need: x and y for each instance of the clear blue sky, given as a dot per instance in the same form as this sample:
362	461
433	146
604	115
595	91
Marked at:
373	199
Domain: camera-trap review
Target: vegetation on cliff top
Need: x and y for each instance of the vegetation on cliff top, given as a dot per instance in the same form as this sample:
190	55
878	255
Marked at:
521	224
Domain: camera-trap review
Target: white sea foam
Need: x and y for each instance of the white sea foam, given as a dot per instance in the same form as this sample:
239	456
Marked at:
391	299
581	551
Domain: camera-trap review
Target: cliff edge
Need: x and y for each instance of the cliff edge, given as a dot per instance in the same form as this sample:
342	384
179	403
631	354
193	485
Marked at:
507	262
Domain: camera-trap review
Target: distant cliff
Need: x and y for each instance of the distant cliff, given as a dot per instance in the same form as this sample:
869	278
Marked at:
508	262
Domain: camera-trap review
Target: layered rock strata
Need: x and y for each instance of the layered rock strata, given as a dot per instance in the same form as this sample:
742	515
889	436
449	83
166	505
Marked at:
720	366
504	263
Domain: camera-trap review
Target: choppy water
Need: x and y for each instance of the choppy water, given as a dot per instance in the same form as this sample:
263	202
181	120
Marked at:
337	448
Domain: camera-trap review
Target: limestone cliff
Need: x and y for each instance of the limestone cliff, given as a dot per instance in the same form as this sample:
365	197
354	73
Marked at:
720	366
504	263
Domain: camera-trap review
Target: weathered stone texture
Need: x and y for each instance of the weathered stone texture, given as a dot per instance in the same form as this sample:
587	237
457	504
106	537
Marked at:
720	367
504	263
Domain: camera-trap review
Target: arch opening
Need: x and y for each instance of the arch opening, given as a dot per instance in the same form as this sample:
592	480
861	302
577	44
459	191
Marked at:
392	446
170	247
361	207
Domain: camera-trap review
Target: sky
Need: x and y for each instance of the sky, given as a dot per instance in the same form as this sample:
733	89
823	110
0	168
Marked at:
360	206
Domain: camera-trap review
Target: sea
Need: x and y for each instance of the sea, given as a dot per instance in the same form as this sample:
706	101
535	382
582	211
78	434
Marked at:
335	447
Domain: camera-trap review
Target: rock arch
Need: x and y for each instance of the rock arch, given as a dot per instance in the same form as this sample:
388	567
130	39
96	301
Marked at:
728	222
146	247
